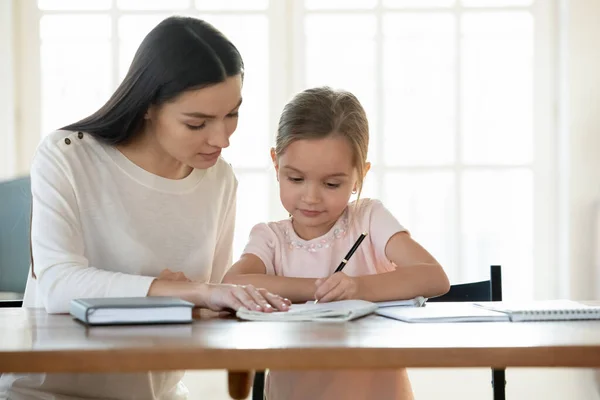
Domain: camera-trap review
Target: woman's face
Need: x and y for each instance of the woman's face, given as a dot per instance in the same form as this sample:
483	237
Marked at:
195	126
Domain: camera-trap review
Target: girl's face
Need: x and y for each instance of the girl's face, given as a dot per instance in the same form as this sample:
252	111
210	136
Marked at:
316	179
194	127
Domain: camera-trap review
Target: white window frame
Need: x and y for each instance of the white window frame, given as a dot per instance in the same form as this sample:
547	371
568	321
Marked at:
546	163
287	77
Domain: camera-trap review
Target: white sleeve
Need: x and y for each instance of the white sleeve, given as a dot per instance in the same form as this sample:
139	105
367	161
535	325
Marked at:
63	272
224	248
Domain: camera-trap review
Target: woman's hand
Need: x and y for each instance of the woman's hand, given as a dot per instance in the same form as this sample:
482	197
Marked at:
338	286
168	275
224	297
218	297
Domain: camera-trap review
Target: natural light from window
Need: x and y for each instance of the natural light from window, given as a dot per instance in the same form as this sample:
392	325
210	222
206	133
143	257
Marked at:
448	88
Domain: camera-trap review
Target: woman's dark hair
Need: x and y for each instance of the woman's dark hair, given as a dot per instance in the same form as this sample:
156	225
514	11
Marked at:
179	54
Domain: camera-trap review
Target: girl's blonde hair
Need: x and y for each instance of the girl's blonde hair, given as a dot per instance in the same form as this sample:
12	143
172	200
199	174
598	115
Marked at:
321	112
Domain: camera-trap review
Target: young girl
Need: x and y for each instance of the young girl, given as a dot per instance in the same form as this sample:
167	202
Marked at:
320	160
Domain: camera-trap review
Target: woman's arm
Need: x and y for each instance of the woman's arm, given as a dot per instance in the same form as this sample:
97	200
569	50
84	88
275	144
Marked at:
218	297
223	256
250	270
62	270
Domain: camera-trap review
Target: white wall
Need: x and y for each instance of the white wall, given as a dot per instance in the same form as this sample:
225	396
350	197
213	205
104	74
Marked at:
8	150
581	280
584	152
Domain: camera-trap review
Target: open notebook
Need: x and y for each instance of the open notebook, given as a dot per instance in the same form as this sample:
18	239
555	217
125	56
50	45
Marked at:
335	311
443	312
543	310
344	310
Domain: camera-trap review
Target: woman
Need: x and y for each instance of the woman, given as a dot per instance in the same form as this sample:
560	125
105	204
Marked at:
136	190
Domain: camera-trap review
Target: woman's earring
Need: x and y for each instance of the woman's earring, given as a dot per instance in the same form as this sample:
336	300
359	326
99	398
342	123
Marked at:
354	191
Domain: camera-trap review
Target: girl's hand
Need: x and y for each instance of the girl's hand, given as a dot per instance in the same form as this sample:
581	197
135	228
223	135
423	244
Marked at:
168	275
224	297
338	286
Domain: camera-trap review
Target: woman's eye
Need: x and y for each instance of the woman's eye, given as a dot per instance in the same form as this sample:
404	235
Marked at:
332	185
234	114
295	180
196	127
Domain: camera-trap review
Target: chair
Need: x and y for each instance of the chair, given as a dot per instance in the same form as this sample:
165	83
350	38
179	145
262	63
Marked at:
490	290
15	200
258	387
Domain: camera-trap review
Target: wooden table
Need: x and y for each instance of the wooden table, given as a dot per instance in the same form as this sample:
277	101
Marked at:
33	341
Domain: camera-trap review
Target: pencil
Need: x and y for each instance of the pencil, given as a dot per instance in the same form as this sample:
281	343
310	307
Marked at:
350	253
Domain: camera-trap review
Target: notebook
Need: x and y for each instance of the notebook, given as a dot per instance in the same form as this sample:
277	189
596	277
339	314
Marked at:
418	301
443	312
335	311
131	310
543	310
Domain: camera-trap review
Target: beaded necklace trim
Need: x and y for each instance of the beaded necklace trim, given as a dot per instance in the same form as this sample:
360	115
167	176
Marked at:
324	242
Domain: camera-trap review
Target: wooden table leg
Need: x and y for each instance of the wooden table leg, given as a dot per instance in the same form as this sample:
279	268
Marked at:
240	383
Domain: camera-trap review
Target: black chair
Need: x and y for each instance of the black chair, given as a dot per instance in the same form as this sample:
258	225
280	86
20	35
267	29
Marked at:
258	387
490	290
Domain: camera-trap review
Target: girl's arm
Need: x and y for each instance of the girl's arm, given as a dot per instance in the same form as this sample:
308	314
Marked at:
417	274
250	270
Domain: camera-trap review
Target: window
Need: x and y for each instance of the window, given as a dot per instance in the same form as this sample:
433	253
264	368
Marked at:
458	93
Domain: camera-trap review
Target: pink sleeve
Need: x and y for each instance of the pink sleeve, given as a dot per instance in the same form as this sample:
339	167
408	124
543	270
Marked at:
382	226
261	243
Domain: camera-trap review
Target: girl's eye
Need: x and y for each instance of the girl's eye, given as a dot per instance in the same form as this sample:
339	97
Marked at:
332	185
196	127
234	114
295	180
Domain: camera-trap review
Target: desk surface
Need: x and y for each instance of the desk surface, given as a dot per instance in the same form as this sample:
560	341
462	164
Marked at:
33	341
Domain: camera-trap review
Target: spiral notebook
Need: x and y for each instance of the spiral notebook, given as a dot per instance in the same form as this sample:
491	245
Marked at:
418	301
544	310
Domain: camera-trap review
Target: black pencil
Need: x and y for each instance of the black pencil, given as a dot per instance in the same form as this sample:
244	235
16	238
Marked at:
351	252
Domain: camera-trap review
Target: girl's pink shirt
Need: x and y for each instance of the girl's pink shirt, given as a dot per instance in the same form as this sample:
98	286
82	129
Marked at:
285	254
